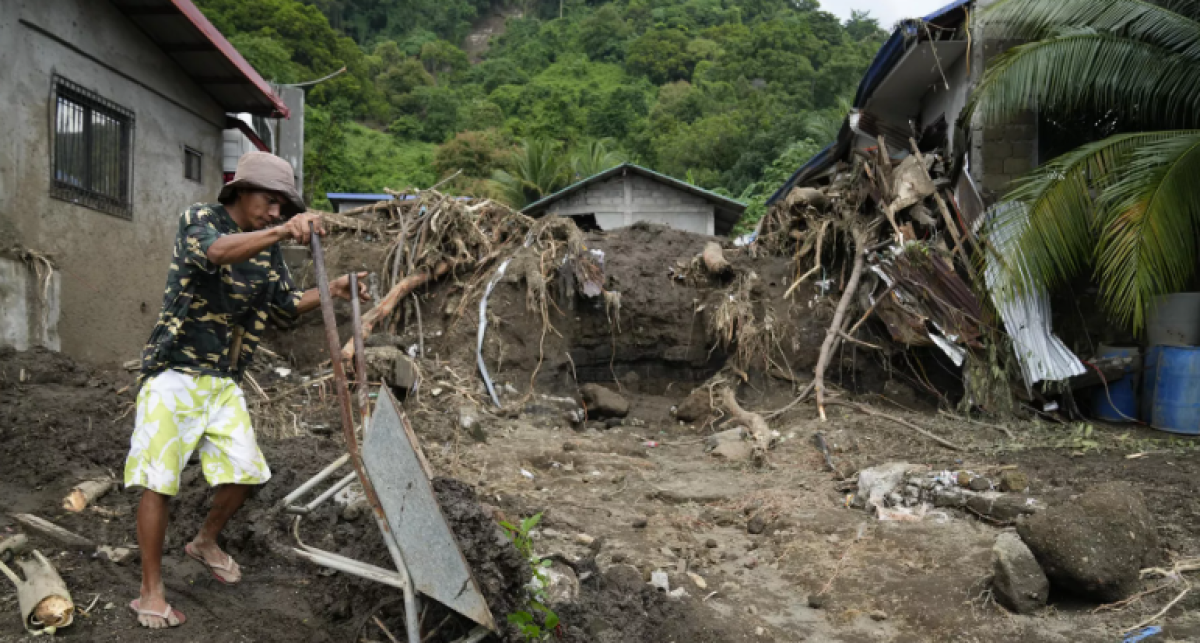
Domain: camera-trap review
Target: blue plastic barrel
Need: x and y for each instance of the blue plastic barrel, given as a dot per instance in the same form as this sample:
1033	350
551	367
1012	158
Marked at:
1119	401
1176	401
1149	368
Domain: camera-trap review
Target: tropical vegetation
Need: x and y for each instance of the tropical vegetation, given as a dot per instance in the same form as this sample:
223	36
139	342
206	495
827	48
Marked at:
1126	206
714	90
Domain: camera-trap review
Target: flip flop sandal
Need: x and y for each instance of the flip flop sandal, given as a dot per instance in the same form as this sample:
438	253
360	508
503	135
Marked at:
214	569
169	614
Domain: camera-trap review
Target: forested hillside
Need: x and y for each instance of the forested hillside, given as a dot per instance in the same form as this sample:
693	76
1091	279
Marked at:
730	95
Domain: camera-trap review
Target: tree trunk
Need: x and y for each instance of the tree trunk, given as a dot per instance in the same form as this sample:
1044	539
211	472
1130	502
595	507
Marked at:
85	493
714	260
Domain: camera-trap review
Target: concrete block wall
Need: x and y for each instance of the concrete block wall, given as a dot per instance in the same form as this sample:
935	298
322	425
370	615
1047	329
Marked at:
1000	152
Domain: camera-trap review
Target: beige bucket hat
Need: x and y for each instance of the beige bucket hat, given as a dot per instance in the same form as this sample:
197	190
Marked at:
265	171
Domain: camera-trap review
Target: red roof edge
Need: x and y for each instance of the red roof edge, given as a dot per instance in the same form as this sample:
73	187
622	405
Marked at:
231	53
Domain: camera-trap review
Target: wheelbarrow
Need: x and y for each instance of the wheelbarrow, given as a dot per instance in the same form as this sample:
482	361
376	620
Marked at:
395	478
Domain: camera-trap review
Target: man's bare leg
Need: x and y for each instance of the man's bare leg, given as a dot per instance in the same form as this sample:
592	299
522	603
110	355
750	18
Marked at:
226	501
151	532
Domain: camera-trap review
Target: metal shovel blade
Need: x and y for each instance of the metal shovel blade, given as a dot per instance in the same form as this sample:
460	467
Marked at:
435	563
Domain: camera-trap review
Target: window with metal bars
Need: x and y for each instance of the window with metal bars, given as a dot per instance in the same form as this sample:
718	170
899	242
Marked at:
92	151
191	164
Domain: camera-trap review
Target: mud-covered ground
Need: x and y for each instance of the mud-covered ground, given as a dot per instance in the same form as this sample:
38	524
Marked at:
772	554
669	507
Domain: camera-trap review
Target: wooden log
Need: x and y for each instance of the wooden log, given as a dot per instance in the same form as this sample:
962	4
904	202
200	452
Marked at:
714	259
85	493
42	595
53	531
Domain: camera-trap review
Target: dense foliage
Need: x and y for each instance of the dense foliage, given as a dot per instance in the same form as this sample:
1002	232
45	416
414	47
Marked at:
721	92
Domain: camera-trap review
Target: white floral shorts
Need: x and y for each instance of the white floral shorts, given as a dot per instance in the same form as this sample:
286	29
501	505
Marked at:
176	413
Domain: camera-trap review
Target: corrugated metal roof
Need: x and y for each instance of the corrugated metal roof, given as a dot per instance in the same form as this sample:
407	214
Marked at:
358	196
186	36
728	211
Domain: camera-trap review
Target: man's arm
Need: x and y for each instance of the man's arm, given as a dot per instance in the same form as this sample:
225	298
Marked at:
243	246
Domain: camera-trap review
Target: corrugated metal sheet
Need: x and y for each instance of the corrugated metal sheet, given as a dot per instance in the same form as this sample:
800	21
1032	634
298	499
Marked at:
1042	355
181	31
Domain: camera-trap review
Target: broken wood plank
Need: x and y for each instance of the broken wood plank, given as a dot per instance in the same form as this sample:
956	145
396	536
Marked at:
53	531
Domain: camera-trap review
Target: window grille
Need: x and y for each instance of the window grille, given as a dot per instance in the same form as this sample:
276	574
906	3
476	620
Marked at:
92	150
192	161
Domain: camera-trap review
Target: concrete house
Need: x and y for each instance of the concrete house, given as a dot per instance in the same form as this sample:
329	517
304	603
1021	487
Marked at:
630	193
113	115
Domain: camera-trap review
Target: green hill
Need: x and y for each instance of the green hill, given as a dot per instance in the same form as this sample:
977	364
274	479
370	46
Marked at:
726	94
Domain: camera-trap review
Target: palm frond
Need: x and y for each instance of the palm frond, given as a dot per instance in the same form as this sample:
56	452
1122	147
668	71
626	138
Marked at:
594	157
1137	19
1089	71
1059	227
1149	221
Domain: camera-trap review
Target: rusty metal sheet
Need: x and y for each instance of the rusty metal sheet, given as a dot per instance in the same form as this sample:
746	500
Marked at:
394	462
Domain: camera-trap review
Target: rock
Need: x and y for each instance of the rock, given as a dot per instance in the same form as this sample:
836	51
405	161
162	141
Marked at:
584	539
1013	480
980	484
1095	546
963	479
603	403
619	557
116	555
390	364
816	601
613	423
1018	580
562	585
878	615
756	525
626	579
698	580
875	483
356	509
695	408
729	445
471	421
750	563
711	543
640	523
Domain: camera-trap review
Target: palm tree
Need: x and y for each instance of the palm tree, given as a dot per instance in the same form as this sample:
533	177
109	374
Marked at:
593	157
1127	206
535	170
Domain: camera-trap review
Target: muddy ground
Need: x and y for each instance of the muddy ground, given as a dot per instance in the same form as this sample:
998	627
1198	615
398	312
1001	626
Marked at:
771	554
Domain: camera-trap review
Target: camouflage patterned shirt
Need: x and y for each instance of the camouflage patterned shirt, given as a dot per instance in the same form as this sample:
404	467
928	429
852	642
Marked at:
207	307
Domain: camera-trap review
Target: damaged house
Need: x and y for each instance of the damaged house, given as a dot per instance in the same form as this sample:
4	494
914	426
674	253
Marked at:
114	113
931	173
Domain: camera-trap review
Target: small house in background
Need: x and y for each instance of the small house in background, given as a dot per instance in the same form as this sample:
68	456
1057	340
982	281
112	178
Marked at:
343	201
629	193
114	115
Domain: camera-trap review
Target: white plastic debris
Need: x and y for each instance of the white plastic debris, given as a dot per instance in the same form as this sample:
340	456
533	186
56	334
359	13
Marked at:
527	474
659	580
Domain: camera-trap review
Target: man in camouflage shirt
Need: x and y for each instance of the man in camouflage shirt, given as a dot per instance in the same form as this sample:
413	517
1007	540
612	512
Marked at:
227	278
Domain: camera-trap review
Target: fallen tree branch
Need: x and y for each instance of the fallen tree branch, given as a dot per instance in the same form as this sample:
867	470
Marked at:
803	395
1161	612
51	530
854	340
87	492
388	304
902	422
859	233
755	424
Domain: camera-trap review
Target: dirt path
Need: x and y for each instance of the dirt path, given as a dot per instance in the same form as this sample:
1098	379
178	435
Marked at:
669	507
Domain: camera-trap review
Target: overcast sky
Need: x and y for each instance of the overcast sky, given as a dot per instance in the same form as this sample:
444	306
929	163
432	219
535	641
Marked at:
886	11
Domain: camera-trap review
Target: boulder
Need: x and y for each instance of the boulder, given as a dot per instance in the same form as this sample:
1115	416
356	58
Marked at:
1018	580
603	403
695	408
1013	480
1096	545
729	445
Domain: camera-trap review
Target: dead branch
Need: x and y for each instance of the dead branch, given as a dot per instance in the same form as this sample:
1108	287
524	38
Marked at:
51	530
902	422
859	233
816	266
754	423
388	304
854	340
1161	612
